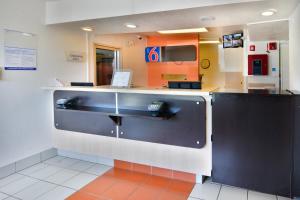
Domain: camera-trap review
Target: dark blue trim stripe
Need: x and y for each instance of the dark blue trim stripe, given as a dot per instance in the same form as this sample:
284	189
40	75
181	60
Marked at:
20	68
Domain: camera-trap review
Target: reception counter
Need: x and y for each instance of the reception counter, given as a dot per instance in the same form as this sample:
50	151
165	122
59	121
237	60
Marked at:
138	90
116	124
243	138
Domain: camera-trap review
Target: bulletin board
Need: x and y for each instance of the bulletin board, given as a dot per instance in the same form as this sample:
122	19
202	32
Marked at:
20	50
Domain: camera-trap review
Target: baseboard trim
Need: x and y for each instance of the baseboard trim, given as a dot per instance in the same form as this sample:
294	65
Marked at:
86	157
27	162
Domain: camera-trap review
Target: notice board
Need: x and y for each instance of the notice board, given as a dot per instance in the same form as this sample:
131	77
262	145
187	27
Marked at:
20	50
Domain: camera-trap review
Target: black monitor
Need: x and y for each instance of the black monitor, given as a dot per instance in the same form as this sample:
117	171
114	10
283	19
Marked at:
233	40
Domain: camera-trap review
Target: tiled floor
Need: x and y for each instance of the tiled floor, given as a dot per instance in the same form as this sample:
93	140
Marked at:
59	178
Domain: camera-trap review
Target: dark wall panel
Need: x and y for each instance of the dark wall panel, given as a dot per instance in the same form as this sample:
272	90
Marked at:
252	140
296	175
187	128
86	120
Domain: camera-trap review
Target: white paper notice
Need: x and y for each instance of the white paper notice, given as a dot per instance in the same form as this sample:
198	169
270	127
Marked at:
121	79
19	58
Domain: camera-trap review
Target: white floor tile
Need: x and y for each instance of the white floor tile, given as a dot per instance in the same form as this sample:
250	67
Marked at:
18	185
54	160
230	193
192	198
98	169
10	179
59	193
11	198
260	196
61	176
207	191
35	190
45	172
81	166
79	181
3	196
33	169
66	162
283	198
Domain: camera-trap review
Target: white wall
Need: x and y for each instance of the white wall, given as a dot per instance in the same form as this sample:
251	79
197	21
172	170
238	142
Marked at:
274	55
132	54
284	65
25	111
231	59
294	49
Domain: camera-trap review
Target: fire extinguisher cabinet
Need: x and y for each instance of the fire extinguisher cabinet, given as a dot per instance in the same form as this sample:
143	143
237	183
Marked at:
258	64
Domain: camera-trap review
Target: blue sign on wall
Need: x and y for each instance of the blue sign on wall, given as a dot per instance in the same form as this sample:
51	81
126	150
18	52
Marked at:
152	54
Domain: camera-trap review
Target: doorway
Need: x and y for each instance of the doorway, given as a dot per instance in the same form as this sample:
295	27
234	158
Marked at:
107	61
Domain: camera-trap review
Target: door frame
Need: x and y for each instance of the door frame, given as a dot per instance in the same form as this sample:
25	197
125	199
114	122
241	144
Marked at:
117	51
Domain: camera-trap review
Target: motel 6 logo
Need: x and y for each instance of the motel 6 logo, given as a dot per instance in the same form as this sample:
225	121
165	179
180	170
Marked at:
152	54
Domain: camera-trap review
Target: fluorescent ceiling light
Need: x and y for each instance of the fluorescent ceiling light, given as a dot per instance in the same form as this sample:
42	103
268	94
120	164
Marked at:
210	42
191	30
269	12
264	22
27	34
129	25
88	29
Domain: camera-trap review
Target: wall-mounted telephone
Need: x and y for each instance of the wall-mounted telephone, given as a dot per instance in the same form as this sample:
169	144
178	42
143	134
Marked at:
157	108
66	103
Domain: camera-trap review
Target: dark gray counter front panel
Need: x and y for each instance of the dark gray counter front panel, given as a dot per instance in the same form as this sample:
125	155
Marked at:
187	128
86	120
296	175
252	142
182	124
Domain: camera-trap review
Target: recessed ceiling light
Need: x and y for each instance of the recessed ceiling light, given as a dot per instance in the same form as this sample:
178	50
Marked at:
269	12
130	25
269	21
88	29
207	18
191	30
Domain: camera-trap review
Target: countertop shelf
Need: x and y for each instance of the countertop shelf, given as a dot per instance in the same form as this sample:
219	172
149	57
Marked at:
121	112
144	114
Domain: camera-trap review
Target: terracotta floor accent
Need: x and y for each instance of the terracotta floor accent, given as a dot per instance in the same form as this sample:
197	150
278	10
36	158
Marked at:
120	184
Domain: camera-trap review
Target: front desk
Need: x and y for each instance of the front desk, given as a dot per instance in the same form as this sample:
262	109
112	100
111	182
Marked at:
116	124
240	138
124	115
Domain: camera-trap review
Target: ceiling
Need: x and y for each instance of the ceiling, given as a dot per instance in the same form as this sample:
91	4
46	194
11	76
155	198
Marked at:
276	30
270	30
226	15
63	11
217	32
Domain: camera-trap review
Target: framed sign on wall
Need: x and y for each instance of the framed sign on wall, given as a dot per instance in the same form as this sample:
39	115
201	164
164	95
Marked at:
20	50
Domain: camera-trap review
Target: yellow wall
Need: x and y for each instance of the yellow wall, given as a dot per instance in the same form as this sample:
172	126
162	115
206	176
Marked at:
212	76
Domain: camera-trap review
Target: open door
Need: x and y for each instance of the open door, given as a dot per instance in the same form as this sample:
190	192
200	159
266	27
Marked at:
107	61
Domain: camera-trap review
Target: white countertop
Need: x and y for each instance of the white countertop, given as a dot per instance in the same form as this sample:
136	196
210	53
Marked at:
137	90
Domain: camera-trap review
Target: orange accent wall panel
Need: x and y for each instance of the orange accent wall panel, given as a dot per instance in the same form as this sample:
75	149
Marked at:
189	68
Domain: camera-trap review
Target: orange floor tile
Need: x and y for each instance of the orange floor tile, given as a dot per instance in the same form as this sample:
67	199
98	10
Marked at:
120	184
